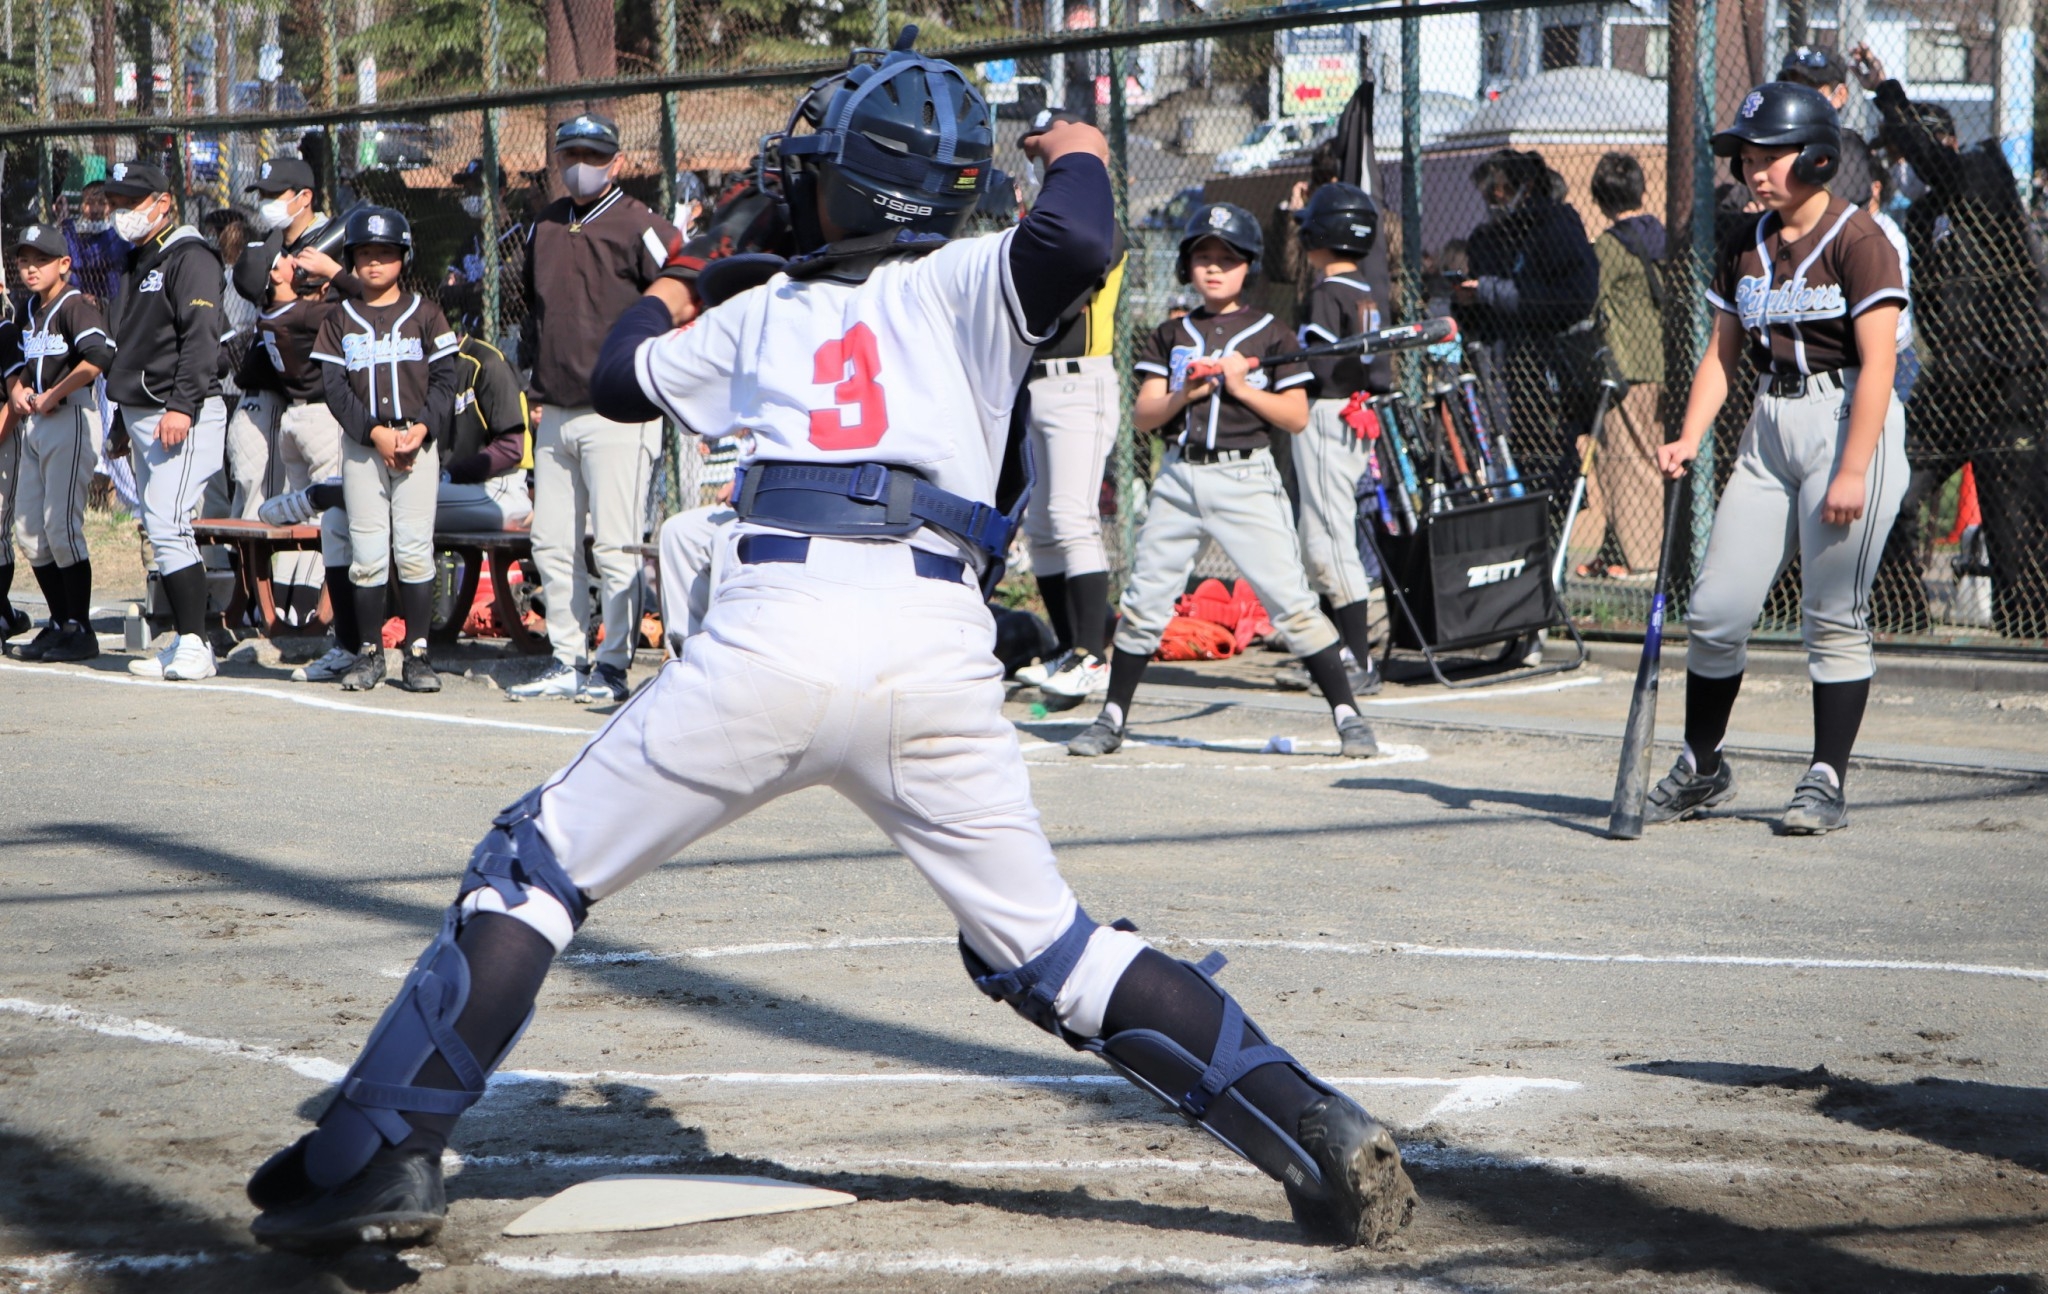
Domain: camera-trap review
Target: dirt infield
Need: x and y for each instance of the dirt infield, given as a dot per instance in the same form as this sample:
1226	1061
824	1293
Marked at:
1715	1059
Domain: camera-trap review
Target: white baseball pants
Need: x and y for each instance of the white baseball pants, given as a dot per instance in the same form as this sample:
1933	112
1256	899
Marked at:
587	467
170	481
1770	512
252	452
689	542
1071	429
1329	458
56	465
1243	505
848	671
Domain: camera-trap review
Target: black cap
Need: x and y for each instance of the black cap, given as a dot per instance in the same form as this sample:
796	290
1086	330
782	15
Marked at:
1814	65
136	180
47	239
281	175
591	130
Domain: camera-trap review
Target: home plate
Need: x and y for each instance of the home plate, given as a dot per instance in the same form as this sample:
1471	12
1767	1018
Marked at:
650	1201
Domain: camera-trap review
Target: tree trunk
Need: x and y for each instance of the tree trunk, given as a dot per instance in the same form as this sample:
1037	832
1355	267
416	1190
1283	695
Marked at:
105	43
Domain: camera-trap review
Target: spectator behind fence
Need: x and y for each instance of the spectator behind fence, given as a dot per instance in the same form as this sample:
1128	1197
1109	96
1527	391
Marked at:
1861	182
240	489
1983	353
97	252
588	258
1626	491
1823	68
1531	299
462	285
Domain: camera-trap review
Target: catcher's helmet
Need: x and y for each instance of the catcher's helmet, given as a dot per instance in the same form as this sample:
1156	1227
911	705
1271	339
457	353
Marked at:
383	225
1340	217
1238	228
1780	114
898	142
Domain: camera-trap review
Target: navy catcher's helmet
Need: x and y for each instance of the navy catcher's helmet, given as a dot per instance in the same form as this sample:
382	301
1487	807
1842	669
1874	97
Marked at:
384	225
1238	229
1340	217
901	142
1780	114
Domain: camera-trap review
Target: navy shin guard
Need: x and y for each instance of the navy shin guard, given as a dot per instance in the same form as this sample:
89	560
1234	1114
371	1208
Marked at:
378	1092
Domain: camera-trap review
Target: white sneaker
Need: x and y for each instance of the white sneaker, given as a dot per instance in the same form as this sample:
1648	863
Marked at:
191	660
1036	673
337	662
560	682
1078	677
153	666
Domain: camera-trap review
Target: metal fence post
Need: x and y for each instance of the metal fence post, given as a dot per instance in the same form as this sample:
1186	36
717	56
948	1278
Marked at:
1411	175
1705	97
669	157
881	33
494	73
181	172
1125	458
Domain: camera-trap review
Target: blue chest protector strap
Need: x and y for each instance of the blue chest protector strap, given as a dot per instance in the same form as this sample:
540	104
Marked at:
864	500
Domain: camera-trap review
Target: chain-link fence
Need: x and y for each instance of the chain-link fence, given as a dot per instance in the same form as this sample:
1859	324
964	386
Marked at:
1542	168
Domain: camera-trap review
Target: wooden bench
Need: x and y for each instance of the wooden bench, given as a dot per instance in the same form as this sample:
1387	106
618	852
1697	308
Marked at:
501	548
252	545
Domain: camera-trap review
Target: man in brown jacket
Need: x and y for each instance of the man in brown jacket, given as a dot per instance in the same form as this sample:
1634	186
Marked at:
589	257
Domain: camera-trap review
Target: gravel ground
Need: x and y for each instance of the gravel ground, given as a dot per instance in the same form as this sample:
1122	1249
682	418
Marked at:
1715	1059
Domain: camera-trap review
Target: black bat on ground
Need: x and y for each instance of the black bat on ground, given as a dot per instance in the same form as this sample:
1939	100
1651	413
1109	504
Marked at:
1638	739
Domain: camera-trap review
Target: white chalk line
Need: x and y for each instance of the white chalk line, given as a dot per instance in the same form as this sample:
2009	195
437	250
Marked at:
1587	680
300	698
1466	1094
1371	949
452	1161
930	1262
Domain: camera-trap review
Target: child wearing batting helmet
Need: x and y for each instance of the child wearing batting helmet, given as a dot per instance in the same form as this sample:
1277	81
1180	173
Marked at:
1202	386
1813	289
847	645
389	365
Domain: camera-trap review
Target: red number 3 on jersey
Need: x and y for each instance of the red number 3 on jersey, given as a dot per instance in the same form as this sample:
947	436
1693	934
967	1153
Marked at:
851	364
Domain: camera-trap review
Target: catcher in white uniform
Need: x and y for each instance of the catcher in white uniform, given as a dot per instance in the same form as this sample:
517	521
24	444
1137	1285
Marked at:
847	645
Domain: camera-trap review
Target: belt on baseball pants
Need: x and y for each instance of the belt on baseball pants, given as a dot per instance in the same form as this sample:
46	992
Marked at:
756	549
1797	386
1055	367
1203	454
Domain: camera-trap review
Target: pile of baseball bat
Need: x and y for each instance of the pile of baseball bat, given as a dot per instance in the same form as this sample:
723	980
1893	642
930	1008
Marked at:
1447	450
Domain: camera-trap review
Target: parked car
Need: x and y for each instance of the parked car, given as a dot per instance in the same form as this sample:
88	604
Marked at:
1269	141
1172	213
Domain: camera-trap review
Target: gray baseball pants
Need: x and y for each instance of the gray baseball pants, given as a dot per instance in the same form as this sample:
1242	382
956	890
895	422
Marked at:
1071	429
1239	502
590	476
1770	512
384	515
1329	458
49	489
170	481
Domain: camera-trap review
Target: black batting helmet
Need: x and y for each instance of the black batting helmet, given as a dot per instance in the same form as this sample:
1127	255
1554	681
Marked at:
901	142
367	225
1238	228
1781	114
1339	217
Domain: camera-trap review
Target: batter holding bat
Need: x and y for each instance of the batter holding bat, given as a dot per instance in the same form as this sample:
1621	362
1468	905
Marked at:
847	645
1813	288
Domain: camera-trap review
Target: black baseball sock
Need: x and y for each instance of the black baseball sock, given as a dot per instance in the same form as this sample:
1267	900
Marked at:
1088	611
508	960
1157	992
6	583
76	582
185	589
372	601
52	586
1326	667
416	604
1354	625
1126	668
1708	703
324	497
1052	589
341	604
1837	714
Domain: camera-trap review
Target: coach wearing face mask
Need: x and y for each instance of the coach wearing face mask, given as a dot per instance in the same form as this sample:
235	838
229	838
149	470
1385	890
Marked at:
588	258
165	382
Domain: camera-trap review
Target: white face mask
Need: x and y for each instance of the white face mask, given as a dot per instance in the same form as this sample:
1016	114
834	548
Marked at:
584	181
473	206
273	213
134	226
91	227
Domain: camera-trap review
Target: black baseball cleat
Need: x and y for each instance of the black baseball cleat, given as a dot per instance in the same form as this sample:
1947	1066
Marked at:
16	622
1355	738
1368	1196
39	646
366	673
1683	792
1818	806
418	674
77	643
397	1200
1099	738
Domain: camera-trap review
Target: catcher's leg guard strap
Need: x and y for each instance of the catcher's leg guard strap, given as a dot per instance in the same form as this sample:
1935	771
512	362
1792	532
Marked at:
368	1110
515	857
1033	988
1209	1093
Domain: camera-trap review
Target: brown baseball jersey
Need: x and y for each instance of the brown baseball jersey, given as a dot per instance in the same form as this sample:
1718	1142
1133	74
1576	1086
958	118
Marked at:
1221	421
585	266
58	338
1340	307
388	365
282	358
1798	301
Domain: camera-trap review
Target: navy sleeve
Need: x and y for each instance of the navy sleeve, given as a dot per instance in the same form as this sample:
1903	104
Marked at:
615	383
1063	247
